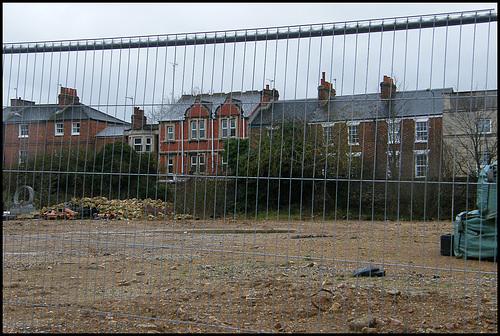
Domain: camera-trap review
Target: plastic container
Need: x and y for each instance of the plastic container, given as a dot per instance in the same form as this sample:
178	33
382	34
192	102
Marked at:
447	244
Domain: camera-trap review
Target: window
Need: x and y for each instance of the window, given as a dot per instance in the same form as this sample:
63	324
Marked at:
138	144
484	159
23	130
232	127
197	164
393	164
148	144
198	129
170	132
201	163
224	164
353	134
420	131
328	131
23	157
228	127
393	128
483	126
193	164
201	130
421	163
75	128
170	164
59	129
224	128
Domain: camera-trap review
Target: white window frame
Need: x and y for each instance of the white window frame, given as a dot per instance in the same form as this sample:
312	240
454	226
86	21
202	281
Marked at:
398	162
232	127
201	129
228	127
420	153
169	133
170	164
23	157
194	164
393	131
224	128
197	129
75	128
224	164
201	163
350	135
328	131
148	146
197	163
136	143
59	129
23	130
419	133
480	128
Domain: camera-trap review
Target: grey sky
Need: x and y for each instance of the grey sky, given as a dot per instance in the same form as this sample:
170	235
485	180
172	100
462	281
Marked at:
30	22
355	63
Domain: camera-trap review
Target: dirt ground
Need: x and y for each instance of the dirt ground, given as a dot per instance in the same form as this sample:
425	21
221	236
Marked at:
240	276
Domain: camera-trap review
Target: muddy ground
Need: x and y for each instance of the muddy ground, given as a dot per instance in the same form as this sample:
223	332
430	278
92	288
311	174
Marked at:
240	276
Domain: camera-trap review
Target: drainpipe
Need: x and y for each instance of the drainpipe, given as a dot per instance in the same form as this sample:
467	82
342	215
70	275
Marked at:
182	147
212	142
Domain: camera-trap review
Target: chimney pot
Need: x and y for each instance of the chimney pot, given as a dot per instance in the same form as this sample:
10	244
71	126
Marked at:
325	90
67	97
387	88
267	86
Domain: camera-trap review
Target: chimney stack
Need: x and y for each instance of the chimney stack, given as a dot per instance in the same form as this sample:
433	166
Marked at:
387	88
325	91
67	97
138	118
269	94
18	103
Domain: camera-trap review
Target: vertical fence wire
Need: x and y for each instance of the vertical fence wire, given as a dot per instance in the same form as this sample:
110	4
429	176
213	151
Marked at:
237	181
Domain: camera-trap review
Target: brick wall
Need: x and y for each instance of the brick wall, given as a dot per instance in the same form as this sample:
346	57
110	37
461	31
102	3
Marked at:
42	139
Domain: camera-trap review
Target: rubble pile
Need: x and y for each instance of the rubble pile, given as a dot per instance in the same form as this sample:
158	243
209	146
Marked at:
124	209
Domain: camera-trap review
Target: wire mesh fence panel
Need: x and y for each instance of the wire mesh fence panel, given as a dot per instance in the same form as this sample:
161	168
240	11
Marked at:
334	177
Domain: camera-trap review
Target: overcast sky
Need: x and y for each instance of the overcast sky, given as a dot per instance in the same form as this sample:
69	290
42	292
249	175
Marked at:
29	22
437	58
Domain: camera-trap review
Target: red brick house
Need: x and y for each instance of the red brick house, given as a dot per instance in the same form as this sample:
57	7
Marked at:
391	134
193	131
35	129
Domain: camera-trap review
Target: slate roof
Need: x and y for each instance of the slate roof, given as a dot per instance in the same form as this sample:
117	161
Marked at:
43	112
112	131
248	101
353	107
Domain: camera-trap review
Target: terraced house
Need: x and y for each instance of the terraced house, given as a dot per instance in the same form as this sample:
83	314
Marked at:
391	134
35	129
193	130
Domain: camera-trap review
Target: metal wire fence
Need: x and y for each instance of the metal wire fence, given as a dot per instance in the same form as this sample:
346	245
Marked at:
334	177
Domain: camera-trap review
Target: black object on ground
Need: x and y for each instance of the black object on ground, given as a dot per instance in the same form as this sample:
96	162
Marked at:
369	271
447	244
308	236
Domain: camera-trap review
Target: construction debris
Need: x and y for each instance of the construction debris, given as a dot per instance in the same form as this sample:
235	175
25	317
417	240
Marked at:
120	209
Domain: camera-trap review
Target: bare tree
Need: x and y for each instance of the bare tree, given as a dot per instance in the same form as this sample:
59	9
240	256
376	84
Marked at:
156	113
471	132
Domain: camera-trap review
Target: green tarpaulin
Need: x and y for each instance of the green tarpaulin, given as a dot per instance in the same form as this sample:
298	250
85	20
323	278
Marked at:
476	231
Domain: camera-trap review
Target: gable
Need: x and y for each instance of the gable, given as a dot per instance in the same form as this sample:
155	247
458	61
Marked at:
197	111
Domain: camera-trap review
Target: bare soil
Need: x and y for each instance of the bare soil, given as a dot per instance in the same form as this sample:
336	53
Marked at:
113	276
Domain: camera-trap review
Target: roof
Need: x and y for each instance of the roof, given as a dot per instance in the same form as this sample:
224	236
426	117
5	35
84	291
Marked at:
112	131
248	102
405	104
44	112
